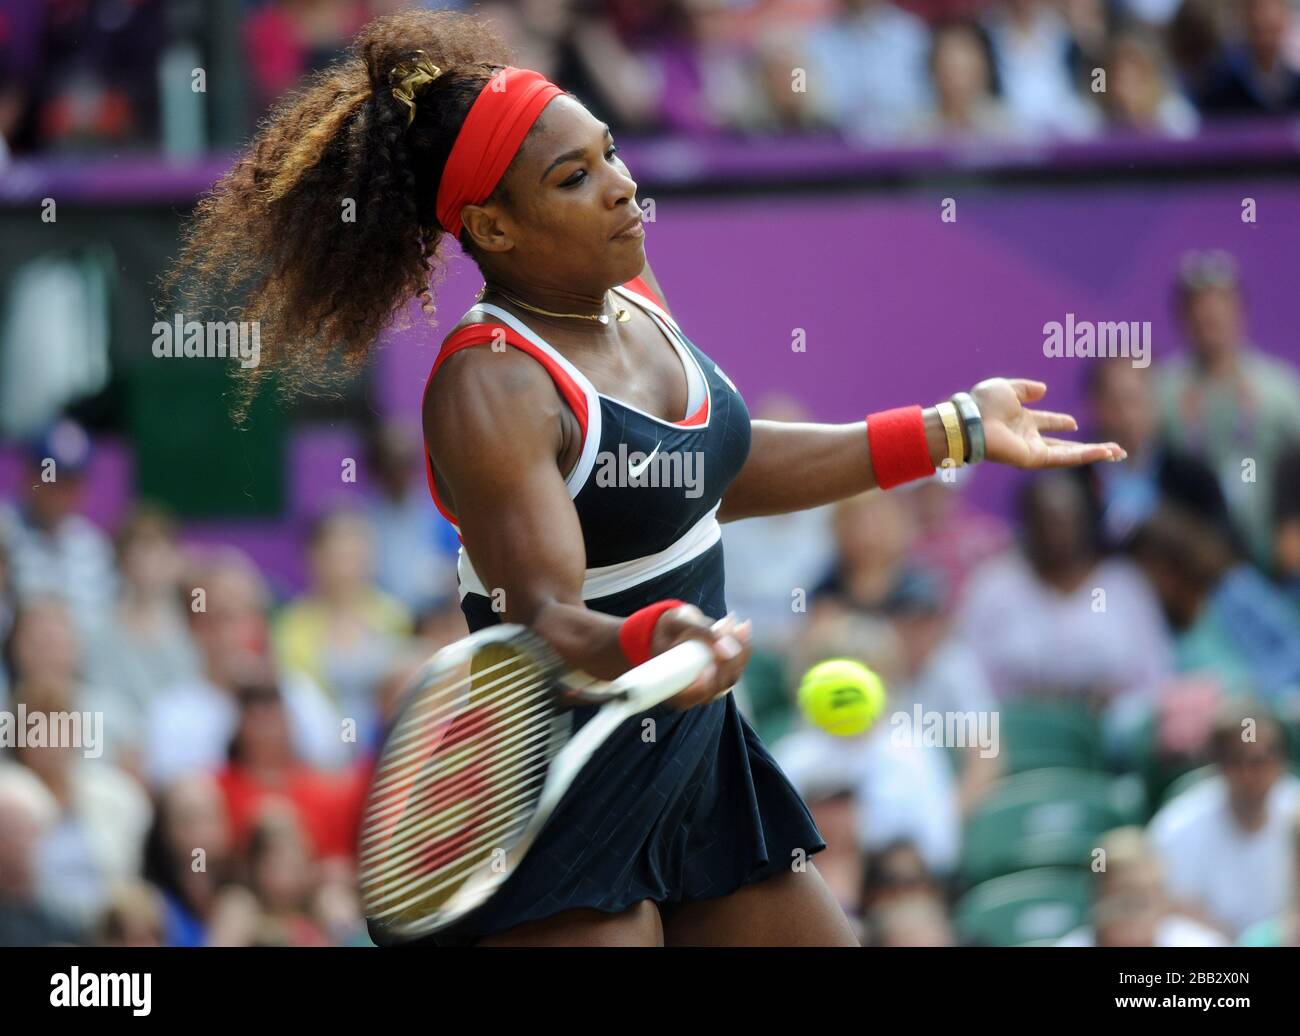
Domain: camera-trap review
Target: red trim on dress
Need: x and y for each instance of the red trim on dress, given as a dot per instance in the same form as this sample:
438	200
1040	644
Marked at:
477	334
640	287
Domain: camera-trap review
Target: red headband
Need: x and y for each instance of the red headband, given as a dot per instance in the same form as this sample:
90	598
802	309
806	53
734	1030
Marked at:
496	125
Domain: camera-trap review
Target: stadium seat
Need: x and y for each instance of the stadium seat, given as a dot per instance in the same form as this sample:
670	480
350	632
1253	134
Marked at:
1049	734
771	708
1185	781
1046	818
1033	907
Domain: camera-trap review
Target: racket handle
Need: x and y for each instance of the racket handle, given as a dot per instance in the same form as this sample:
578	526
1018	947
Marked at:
664	675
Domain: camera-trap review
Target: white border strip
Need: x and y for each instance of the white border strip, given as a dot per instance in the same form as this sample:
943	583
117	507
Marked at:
689	362
612	579
591	444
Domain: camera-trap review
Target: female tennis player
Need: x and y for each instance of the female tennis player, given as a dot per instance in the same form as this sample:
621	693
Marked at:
571	362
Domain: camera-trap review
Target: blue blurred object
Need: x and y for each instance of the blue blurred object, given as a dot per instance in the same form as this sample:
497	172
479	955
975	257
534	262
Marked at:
66	443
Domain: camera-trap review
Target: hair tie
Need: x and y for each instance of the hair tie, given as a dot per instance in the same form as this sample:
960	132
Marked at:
409	77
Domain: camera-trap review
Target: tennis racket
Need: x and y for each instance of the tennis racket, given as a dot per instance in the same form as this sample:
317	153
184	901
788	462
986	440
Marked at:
481	753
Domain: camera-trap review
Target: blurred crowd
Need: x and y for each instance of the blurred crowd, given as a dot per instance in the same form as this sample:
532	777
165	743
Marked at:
1135	632
79	75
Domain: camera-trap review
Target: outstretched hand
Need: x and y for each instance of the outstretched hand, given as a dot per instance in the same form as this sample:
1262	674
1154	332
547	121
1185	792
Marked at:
1013	434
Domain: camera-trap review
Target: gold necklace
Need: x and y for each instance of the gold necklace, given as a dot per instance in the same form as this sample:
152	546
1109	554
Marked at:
622	315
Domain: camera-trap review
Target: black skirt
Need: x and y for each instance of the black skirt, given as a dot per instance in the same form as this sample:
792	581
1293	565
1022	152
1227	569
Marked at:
687	806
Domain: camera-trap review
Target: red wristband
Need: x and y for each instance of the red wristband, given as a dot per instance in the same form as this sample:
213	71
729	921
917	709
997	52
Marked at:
899	450
638	629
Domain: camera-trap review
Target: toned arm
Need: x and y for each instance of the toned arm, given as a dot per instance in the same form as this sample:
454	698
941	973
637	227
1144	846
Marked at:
492	423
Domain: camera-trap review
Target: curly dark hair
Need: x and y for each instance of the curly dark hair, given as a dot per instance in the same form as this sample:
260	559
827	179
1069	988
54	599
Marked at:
270	243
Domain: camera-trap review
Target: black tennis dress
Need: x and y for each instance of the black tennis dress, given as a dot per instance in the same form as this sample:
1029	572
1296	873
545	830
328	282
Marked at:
704	809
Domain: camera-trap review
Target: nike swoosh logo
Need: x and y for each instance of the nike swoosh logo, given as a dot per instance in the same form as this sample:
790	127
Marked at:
634	470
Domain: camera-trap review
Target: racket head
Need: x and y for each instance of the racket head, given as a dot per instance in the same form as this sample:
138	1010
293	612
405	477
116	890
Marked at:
453	799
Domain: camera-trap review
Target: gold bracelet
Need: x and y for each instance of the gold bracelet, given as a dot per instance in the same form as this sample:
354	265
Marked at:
952	429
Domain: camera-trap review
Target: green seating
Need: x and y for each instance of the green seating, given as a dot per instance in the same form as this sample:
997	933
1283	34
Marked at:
1185	781
1035	735
1034	907
772	711
1046	818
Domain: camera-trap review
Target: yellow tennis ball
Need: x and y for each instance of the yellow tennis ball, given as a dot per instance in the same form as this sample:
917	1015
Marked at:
841	696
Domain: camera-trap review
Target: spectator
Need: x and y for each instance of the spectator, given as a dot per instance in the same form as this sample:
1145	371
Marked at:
872	538
962	74
769	559
343	630
939	673
1284	929
1286	517
41	649
286	39
1082	627
415	550
1255	76
573	45
1125	494
1231	621
937	12
1225	844
903	789
1130	906
144	644
911	920
103	816
52	548
7	609
1225	401
283	878
133	916
27	812
189	725
754	88
1149	12
1195	36
904	902
1089	23
81	75
1139	94
1031	45
867	69
188	857
657	54
263	767
950	536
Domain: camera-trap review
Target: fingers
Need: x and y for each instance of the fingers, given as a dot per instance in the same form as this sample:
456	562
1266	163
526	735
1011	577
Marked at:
1028	390
730	643
1061	453
1050	421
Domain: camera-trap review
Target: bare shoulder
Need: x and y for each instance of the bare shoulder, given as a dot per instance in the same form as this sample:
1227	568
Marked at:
487	390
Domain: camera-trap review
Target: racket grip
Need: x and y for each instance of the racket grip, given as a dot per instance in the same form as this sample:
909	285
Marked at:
664	675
